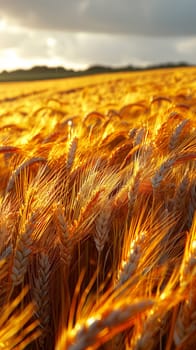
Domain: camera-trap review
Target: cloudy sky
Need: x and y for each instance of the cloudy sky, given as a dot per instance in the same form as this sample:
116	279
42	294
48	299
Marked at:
78	33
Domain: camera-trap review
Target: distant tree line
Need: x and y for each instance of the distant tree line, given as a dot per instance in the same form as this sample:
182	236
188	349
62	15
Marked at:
44	72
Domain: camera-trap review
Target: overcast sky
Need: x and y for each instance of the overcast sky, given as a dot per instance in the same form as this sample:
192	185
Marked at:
78	33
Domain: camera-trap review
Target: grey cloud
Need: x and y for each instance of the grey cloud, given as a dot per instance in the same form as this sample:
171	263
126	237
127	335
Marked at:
9	40
86	48
141	17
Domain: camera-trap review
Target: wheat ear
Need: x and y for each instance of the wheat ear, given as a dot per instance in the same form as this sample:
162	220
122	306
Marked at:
24	165
192	202
139	137
66	246
161	171
21	256
87	215
155	322
41	294
71	152
186	320
6	252
119	153
8	149
133	191
103	326
129	266
181	194
102	225
176	134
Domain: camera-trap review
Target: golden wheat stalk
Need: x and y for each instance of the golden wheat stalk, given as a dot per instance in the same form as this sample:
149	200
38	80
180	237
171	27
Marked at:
185	323
18	171
17	330
97	328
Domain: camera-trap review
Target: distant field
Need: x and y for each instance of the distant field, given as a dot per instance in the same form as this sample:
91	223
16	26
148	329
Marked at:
97	212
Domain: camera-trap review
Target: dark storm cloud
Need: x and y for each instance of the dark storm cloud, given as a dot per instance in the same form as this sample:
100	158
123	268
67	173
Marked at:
141	17
85	32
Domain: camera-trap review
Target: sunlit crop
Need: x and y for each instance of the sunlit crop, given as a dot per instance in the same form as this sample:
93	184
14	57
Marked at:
97	212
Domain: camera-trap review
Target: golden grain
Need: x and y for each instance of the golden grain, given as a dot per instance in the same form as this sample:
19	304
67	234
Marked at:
97	213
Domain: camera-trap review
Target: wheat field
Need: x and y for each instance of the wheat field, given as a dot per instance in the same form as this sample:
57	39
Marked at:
97	212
